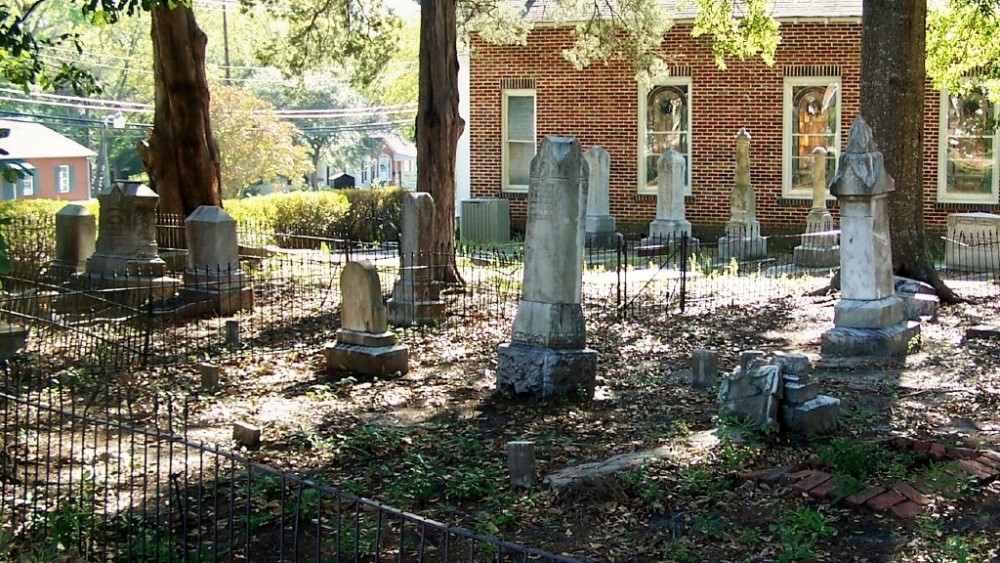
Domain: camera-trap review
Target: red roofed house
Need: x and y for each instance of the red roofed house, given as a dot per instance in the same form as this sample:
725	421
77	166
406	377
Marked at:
54	166
808	98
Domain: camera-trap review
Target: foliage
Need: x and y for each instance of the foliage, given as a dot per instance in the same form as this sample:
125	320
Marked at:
254	145
800	531
752	32
863	461
963	46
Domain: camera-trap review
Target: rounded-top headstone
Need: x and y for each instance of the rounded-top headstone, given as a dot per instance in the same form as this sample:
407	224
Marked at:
362	309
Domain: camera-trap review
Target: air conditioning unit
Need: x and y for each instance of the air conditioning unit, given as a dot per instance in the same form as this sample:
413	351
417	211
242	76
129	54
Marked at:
485	220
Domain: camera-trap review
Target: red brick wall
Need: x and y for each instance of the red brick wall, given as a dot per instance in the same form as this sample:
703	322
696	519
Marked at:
45	181
599	105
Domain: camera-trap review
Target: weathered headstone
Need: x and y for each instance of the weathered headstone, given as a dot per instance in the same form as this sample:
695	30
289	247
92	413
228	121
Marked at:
670	225
704	368
126	257
820	247
752	394
869	318
742	240
246	435
748	357
364	342
213	273
416	295
521	463
548	354
599	222
973	242
209	376
76	235
792	363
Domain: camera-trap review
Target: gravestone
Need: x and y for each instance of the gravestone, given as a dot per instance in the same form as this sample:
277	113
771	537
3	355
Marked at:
213	275
742	240
548	354
599	222
869	318
416	295
820	247
752	394
125	257
704	368
364	343
76	234
973	242
670	225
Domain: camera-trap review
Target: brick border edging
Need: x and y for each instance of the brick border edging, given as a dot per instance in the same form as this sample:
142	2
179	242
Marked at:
903	499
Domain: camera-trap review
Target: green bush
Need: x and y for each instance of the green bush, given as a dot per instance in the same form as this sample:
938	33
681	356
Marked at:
301	219
31	233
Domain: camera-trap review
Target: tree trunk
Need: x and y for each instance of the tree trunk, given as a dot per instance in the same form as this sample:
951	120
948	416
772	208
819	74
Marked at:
181	155
892	102
438	123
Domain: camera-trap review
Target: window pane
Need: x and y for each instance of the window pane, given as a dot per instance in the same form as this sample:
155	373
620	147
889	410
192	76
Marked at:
666	109
520	155
814	124
521	118
971	150
658	143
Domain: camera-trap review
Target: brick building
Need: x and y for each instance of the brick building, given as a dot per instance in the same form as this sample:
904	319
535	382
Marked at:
52	166
808	98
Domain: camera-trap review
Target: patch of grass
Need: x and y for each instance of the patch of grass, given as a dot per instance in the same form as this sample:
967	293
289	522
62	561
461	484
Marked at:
861	461
637	484
800	531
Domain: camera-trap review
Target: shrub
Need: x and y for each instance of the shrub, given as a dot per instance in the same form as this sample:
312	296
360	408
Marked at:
301	219
31	234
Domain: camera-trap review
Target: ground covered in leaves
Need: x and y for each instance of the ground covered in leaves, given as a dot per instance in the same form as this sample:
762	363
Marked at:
434	441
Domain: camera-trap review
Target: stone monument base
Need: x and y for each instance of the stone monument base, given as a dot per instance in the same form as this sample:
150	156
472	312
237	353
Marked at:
875	342
222	302
369	360
411	313
651	246
814	416
61	271
546	373
602	239
751	248
131	291
817	257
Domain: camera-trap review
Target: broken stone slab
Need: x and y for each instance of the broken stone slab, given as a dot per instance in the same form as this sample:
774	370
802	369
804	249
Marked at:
753	395
812	417
799	393
913	287
983	331
792	363
920	305
246	435
621	462
748	356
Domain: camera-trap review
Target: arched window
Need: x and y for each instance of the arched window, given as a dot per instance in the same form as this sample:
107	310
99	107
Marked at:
812	119
666	125
967	155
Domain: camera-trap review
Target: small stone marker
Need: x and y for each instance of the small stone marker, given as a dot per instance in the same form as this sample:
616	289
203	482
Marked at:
364	342
548	354
596	174
704	368
213	273
76	235
819	248
748	356
521	463
919	298
233	334
209	376
869	318
743	240
246	435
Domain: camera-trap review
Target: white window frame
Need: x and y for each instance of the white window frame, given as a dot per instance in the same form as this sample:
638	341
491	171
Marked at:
641	146
27	185
62	178
786	131
942	185
504	156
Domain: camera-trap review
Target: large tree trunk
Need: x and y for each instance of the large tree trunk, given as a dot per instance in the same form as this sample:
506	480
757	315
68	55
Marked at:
438	123
181	155
892	102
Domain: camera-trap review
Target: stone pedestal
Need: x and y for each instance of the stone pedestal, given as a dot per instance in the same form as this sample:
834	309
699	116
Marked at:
600	225
670	225
742	240
416	296
364	343
213	275
819	248
869	319
76	234
547	356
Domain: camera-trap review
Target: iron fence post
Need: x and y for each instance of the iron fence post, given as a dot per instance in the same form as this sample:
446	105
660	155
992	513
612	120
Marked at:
684	268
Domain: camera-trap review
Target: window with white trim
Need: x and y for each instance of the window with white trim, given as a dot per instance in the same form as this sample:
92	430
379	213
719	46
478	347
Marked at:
27	185
62	179
664	124
518	138
968	160
811	118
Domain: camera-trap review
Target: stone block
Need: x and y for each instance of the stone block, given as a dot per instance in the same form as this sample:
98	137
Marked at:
552	325
209	376
870	342
813	257
607	239
792	363
748	356
742	249
521	463
799	393
753	395
851	313
246	435
973	242
372	340
812	417
12	339
704	368
983	331
912	287
382	361
416	313
545	373
919	305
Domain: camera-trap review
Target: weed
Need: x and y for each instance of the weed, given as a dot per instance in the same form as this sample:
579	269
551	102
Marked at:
863	461
800	531
711	526
942	480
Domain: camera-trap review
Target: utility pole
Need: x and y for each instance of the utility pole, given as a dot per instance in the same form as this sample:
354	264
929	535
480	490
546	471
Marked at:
225	43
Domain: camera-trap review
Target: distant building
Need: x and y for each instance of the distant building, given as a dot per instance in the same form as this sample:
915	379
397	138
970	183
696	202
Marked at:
53	166
394	163
341	180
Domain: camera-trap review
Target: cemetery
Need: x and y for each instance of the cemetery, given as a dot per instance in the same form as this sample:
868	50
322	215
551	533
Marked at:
194	389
